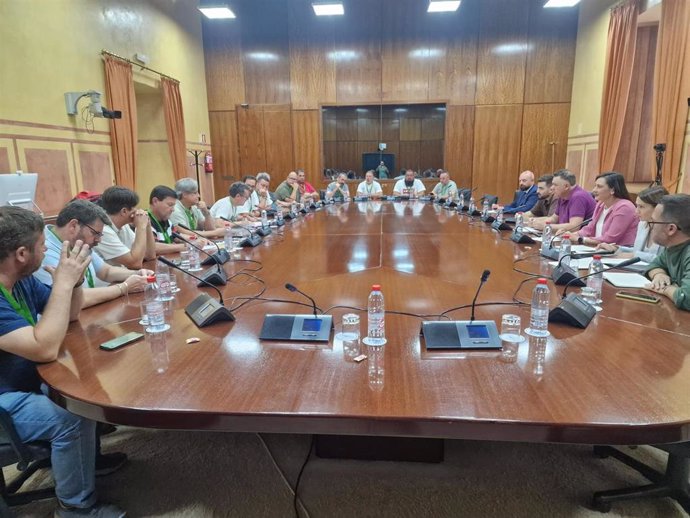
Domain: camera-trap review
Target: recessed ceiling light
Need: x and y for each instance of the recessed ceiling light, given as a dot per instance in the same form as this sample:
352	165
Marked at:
443	6
216	12
328	8
561	3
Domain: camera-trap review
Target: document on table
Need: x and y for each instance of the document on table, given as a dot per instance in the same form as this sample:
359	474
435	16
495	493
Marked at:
580	264
626	280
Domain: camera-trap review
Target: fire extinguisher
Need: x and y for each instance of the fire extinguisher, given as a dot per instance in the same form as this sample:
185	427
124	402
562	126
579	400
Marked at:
208	163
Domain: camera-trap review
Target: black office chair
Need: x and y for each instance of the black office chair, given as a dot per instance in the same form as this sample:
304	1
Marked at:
29	457
490	198
673	483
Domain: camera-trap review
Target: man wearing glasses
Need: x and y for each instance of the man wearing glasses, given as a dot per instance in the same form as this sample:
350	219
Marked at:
670	270
81	220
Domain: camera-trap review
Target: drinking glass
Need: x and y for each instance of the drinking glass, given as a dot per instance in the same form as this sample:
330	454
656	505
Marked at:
350	335
510	335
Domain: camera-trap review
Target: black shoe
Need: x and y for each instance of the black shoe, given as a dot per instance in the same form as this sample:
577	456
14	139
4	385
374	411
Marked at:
107	463
96	511
105	429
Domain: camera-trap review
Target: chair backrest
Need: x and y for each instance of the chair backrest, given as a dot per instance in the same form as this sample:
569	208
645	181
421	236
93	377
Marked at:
490	198
466	193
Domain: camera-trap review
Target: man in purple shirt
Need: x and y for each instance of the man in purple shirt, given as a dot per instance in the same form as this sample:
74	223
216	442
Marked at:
574	204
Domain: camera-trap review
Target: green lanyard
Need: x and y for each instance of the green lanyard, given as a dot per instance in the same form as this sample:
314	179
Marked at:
20	307
166	237
190	217
89	275
234	209
444	189
369	189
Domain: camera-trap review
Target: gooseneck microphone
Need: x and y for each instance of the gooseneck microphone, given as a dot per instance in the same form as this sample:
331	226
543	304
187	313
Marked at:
220	257
211	276
485	277
571	229
251	240
179	236
623	264
295	290
204	309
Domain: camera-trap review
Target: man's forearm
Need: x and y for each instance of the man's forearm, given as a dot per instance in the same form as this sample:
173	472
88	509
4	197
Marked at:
139	247
52	327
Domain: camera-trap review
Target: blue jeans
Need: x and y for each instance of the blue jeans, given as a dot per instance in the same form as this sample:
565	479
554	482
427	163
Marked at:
72	440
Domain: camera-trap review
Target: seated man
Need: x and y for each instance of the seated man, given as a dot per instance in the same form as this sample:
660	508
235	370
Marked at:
574	204
545	205
305	188
162	201
338	190
120	245
670	270
81	220
370	187
191	211
261	196
25	341
527	195
229	210
409	186
445	188
248	210
288	192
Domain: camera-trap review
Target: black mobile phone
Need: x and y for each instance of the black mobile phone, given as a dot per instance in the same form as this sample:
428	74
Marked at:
120	341
640	297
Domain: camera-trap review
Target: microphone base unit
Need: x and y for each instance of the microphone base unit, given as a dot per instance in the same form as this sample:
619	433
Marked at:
279	222
221	257
297	328
474	213
488	219
563	275
521	237
205	310
464	208
501	225
215	276
573	311
264	231
250	241
551	253
461	334
289	215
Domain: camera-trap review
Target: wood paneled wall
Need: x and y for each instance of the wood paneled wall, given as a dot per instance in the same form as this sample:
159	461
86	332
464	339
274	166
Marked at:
503	68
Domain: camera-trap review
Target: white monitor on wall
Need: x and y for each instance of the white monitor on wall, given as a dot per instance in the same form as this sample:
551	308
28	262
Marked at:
19	190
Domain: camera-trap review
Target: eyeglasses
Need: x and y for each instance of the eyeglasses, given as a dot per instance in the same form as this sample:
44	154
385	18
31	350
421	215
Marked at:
95	232
664	223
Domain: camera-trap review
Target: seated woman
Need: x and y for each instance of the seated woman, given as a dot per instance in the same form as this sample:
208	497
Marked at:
614	220
644	247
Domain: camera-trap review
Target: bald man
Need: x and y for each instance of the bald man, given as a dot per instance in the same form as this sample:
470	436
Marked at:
288	192
526	198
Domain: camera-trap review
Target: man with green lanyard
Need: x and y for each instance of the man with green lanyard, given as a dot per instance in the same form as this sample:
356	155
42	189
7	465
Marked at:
230	206
445	188
81	220
26	340
162	202
191	211
370	187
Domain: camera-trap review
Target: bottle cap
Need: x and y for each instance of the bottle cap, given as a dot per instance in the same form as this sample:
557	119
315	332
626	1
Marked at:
597	258
542	281
376	287
151	278
566	236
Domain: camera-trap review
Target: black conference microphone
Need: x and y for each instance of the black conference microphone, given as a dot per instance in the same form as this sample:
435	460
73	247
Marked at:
571	229
294	289
485	277
212	275
251	240
204	309
573	310
220	257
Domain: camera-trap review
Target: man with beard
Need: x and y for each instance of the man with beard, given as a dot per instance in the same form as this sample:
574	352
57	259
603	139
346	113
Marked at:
546	205
26	341
307	190
409	186
527	196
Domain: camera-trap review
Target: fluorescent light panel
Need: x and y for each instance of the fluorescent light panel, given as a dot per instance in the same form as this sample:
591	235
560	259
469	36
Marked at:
443	6
328	8
561	3
217	12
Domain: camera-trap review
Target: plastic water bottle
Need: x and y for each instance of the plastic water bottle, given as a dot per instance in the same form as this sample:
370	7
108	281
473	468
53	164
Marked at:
151	289
596	278
264	219
519	222
485	209
376	323
227	237
499	215
472	206
539	316
546	239
564	253
194	260
461	203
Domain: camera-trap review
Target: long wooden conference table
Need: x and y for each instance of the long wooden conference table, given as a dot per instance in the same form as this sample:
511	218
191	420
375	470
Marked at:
623	380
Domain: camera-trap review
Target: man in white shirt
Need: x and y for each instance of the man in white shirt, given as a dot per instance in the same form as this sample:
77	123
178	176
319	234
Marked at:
248	210
370	187
228	208
261	195
445	188
120	245
409	186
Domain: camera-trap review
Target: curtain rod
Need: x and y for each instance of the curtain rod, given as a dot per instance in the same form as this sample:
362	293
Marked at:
142	67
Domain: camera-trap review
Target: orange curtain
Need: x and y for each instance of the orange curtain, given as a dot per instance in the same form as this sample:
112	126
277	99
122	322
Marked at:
672	86
620	56
119	89
174	124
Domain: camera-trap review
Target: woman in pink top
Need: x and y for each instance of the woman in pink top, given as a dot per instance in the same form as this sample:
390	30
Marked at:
615	219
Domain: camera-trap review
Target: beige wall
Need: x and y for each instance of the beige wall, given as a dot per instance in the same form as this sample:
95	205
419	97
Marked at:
50	47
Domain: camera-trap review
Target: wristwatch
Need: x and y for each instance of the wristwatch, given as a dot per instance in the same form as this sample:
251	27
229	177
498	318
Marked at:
580	240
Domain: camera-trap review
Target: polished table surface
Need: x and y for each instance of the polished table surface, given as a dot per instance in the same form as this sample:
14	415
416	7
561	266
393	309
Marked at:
623	380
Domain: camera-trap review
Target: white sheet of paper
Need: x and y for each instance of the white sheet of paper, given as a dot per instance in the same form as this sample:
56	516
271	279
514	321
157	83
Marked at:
626	280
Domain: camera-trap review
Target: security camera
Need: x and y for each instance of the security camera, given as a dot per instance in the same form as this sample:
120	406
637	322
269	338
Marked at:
95	108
